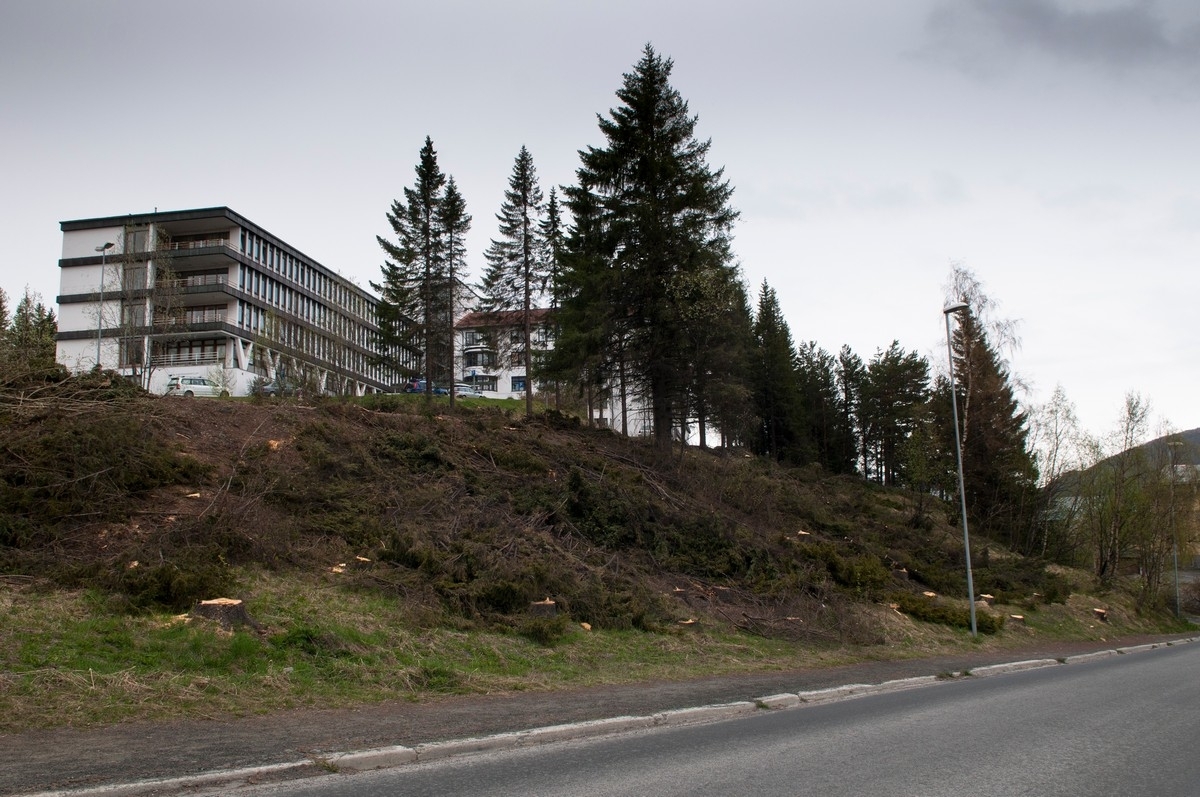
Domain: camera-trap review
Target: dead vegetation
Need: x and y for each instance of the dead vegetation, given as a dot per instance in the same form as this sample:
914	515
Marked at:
467	516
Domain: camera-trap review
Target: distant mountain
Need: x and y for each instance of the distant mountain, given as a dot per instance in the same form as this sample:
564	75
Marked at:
1157	450
1186	454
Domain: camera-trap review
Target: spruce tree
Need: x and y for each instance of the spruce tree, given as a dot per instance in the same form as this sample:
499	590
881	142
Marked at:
587	348
998	469
828	426
455	224
895	398
518	270
711	304
777	399
729	394
554	248
4	352
554	243
663	216
415	286
851	378
30	338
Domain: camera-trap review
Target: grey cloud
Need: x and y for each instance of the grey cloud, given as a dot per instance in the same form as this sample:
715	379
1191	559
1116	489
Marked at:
985	36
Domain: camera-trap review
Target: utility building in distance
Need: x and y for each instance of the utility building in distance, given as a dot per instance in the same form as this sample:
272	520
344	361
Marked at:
209	293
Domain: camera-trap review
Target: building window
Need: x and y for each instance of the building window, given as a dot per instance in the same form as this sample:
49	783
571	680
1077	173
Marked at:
133	276
478	359
518	384
133	316
132	352
137	240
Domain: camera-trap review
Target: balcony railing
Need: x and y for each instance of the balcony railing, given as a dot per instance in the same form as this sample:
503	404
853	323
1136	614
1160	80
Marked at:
197	281
190	317
205	244
184	360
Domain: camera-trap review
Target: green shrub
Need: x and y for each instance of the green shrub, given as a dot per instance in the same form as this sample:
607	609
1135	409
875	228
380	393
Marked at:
190	576
932	610
601	514
312	641
502	596
861	572
544	630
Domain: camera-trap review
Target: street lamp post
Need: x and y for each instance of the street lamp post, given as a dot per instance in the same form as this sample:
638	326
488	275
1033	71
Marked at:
103	250
1173	446
948	311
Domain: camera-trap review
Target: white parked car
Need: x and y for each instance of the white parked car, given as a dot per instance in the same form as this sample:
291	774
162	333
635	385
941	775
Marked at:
467	391
190	386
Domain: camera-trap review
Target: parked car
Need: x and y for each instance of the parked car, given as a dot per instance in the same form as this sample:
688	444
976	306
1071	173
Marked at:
189	386
418	386
274	388
467	391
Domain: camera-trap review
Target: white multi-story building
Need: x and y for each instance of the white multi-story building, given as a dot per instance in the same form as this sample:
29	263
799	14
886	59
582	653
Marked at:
209	293
491	353
491	349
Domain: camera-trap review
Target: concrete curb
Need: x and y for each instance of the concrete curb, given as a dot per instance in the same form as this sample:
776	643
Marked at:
833	693
204	779
1015	666
1085	657
389	757
690	716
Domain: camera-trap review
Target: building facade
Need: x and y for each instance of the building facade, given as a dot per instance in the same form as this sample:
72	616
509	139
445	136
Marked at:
209	293
491	356
491	349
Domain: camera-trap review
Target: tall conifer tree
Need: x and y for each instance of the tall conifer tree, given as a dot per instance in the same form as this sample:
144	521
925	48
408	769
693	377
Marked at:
518	269
587	347
554	249
895	399
455	223
781	433
30	338
828	429
413	292
998	469
554	244
4	354
852	377
663	216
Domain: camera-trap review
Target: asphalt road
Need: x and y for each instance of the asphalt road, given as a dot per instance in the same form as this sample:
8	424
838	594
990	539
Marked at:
1116	726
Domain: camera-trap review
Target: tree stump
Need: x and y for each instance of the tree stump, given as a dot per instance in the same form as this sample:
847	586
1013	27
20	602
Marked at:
229	612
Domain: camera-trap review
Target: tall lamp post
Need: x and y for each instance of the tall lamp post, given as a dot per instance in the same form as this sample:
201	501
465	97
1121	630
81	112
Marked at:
948	311
103	250
1173	446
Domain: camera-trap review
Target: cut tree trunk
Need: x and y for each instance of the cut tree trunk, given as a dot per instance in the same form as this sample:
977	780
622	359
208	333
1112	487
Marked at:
229	612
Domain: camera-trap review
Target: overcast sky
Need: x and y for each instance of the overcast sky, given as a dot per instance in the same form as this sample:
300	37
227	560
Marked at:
1050	146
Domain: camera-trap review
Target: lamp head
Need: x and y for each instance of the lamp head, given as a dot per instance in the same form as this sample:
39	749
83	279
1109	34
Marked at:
955	308
105	246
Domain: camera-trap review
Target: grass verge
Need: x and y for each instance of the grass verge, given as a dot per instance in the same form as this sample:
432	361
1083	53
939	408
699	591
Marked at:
67	659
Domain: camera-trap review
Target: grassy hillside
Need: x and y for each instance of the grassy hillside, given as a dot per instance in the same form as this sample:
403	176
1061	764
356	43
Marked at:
386	548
